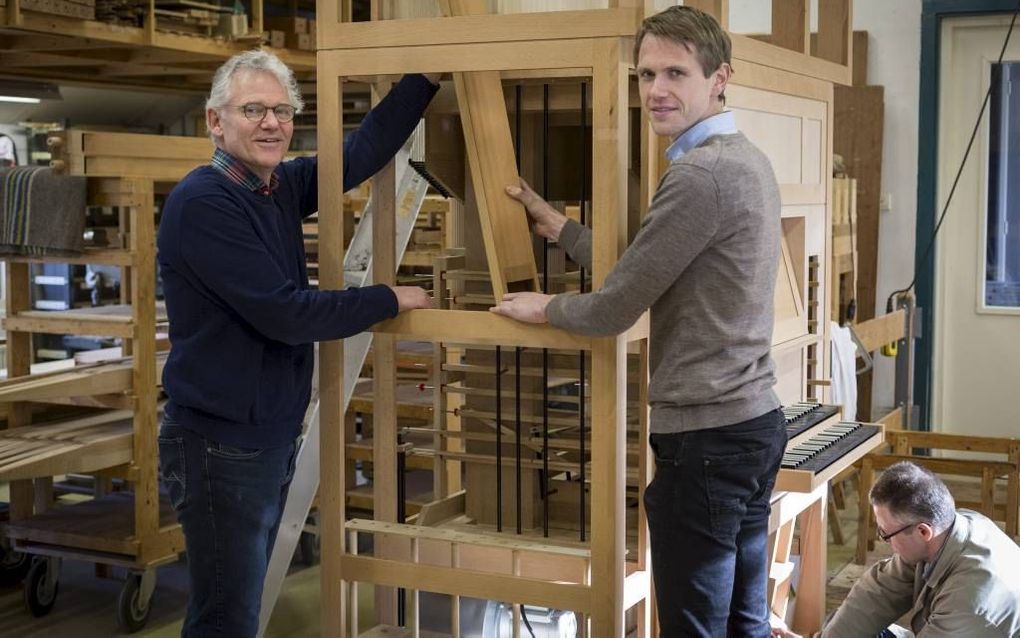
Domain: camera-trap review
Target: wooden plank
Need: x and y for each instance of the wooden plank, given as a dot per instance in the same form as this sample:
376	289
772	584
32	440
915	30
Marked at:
875	333
384	439
467	583
791	26
719	9
478	328
29	322
609	356
458	536
60	7
490	153
835	42
857	137
474	29
333	427
143	344
103	525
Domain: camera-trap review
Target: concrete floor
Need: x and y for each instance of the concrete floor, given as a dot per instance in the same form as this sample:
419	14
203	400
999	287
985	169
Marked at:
86	605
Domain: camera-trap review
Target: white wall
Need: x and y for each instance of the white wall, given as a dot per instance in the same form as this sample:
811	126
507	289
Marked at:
894	56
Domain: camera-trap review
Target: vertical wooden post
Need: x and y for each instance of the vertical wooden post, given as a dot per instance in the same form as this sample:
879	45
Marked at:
143	375
609	356
332	430
384	393
19	363
810	609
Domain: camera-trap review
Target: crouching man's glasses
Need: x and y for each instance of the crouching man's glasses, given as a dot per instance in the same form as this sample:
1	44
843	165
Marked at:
887	537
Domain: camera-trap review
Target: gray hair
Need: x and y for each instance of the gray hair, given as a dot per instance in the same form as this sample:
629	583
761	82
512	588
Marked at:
252	61
914	494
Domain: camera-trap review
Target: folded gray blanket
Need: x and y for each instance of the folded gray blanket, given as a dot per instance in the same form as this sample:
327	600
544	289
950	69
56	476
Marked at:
41	212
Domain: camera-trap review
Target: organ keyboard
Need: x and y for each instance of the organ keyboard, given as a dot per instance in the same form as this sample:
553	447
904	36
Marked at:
820	445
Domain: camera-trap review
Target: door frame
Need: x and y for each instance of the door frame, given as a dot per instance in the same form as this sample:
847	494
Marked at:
933	12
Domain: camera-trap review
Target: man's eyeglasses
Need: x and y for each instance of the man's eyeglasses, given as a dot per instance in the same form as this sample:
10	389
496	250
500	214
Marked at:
886	537
257	112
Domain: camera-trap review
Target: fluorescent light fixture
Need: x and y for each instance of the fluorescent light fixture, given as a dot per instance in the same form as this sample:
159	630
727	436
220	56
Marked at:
28	92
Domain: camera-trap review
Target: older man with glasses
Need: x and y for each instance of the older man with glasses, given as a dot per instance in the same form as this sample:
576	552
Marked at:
952	573
243	319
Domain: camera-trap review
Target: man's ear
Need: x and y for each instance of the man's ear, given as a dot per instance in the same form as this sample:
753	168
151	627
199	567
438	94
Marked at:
213	122
720	79
926	531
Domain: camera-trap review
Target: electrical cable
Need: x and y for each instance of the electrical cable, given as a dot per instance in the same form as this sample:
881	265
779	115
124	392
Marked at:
959	172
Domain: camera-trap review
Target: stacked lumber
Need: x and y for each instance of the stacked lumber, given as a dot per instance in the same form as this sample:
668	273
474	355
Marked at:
82	445
189	16
97	380
126	13
83	9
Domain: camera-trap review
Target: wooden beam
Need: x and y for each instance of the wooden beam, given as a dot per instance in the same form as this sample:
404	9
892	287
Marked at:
835	40
478	29
490	152
791	25
719	9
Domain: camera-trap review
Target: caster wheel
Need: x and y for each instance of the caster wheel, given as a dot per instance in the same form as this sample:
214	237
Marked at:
309	545
14	566
41	586
133	605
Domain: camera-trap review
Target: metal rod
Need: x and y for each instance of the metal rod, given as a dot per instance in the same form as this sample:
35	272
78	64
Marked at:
544	483
517	436
580	387
517	351
499	439
401	518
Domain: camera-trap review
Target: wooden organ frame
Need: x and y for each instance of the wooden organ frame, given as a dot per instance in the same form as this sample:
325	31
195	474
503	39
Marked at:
779	88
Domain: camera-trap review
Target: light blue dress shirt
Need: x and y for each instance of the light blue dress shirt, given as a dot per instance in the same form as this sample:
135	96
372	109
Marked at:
722	124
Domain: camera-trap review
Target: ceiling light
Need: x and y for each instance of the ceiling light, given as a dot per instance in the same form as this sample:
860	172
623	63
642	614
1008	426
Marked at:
28	92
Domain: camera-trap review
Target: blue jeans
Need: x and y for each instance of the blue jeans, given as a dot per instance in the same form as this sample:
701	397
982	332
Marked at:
229	502
708	513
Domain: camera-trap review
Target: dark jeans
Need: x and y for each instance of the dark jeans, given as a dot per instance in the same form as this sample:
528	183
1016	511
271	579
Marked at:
229	501
708	514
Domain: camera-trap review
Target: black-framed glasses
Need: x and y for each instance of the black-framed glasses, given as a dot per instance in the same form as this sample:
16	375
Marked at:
887	537
257	112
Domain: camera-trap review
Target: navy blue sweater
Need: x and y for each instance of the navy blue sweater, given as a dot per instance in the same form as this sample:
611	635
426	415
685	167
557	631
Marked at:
242	315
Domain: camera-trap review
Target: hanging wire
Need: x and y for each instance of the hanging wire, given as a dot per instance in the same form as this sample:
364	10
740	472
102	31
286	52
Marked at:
959	172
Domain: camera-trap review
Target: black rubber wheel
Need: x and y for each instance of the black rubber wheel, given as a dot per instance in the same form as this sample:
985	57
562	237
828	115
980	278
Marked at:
132	611
14	566
309	544
41	588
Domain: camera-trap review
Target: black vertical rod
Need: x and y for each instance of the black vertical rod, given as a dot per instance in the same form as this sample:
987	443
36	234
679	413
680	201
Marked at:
580	392
401	518
544	483
499	439
518	349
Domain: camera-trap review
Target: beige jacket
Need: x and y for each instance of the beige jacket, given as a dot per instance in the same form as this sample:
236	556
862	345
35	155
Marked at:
973	589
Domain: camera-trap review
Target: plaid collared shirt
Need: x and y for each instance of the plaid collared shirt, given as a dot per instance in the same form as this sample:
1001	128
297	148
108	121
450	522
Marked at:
240	174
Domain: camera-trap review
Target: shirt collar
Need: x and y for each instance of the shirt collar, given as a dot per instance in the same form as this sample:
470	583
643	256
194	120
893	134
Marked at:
720	124
237	172
929	568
